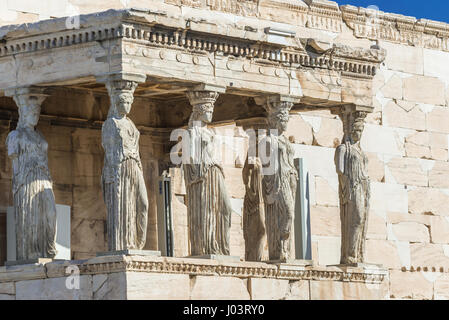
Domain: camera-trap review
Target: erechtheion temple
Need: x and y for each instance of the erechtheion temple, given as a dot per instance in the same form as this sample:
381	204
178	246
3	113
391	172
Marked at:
222	149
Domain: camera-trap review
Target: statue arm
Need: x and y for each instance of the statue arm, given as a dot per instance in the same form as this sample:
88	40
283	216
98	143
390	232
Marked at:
12	144
340	154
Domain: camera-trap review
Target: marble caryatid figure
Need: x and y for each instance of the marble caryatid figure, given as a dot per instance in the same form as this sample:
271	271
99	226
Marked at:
209	208
354	189
34	201
253	208
124	189
279	182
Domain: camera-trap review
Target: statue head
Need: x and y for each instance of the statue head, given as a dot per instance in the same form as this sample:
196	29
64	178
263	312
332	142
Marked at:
29	109
121	93
357	130
203	106
278	115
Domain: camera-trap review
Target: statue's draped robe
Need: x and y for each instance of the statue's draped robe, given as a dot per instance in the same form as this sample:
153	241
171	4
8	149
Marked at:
124	189
279	196
34	201
209	208
354	191
253	211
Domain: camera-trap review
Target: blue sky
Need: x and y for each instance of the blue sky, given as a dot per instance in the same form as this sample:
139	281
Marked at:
429	9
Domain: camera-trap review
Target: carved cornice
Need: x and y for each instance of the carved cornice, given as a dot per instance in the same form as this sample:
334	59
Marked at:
128	26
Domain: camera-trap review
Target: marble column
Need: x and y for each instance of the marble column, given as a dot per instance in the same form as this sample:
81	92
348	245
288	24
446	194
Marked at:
208	204
34	201
279	180
123	183
354	186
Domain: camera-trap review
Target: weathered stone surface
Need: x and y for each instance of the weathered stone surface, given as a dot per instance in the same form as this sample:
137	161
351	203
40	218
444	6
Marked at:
439	230
329	134
425	90
428	255
328	250
437	119
274	289
377	226
224	288
7	297
234	182
395	217
111	288
54	289
403	58
383	252
407	171
88	236
300	130
144	286
7	288
376	167
363	291
427	145
325	194
410	231
395	116
22	272
393	88
326	290
410	285
435	63
439	175
428	201
325	221
381	140
441	288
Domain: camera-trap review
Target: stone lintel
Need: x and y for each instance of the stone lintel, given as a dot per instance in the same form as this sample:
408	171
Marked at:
125	76
262	100
209	87
348	108
30	90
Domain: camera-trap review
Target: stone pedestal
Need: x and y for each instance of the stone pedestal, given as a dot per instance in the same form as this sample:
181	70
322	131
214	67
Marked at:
29	261
217	257
164	278
130	252
292	262
368	266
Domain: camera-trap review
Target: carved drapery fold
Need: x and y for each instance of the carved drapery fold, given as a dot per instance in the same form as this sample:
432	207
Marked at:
34	201
124	189
208	204
354	186
279	181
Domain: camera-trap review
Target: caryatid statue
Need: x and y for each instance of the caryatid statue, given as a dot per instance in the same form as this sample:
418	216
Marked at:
208	205
124	189
34	201
354	188
279	181
253	205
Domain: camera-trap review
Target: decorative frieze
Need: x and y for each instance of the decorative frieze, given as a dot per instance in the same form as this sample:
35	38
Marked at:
378	25
199	267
